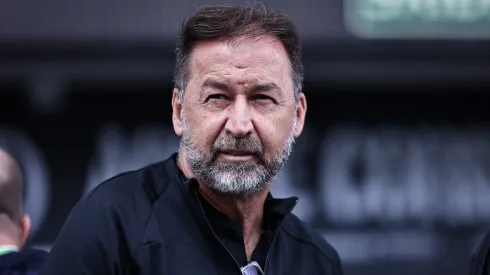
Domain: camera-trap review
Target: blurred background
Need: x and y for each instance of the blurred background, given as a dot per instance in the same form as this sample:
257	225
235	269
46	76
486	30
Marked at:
393	167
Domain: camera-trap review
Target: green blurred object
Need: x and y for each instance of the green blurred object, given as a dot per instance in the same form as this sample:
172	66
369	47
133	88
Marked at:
418	19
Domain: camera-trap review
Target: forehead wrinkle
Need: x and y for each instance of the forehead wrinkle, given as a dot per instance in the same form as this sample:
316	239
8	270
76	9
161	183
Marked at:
227	61
275	50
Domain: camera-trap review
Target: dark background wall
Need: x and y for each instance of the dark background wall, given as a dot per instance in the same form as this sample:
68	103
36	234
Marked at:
393	167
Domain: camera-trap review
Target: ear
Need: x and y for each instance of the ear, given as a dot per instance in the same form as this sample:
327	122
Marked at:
300	114
25	227
176	113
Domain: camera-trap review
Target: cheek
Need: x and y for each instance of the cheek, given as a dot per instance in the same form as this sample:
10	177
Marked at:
273	134
204	129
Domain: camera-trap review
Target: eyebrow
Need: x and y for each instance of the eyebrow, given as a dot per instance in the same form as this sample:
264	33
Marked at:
261	87
265	87
210	83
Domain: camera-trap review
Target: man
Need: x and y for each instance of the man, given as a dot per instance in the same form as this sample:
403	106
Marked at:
238	107
14	226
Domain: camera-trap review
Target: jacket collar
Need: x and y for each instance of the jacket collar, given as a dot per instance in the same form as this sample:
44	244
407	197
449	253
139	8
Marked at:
281	206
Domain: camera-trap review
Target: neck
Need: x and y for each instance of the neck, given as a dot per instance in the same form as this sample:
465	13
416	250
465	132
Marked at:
247	208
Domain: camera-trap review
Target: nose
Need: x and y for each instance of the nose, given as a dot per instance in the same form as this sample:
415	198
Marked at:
239	122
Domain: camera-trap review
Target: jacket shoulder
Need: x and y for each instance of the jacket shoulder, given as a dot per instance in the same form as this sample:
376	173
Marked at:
146	183
480	258
299	232
117	211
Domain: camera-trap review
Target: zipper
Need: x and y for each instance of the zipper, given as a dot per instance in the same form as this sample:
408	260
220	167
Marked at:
275	237
216	235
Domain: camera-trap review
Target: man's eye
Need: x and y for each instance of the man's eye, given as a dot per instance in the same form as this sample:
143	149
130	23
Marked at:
263	98
216	97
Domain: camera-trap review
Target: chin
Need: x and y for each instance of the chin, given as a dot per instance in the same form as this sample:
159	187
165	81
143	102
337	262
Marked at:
231	187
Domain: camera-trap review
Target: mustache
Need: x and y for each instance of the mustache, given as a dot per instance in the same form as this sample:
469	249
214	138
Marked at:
247	144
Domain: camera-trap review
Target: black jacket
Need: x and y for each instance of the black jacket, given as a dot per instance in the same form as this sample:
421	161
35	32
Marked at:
25	262
480	262
146	222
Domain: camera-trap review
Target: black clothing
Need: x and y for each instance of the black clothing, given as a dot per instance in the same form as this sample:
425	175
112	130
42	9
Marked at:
25	262
150	222
230	233
480	262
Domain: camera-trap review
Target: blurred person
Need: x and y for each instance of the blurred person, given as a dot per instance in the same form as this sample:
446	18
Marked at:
14	225
238	107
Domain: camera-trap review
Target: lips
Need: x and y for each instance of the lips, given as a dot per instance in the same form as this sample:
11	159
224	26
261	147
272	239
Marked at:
237	152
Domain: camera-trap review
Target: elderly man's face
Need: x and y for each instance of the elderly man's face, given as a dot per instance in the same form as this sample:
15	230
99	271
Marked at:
239	117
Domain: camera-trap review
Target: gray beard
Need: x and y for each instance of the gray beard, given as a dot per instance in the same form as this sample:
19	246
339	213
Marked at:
245	177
